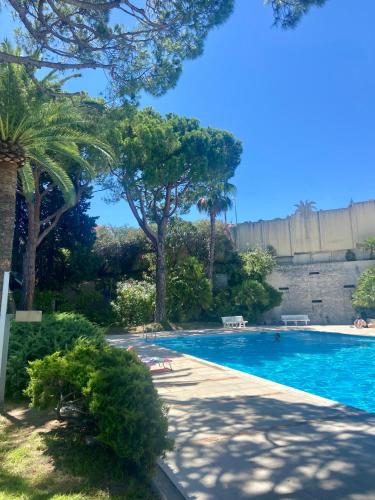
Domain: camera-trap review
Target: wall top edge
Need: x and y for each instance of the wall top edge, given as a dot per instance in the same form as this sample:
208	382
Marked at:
315	212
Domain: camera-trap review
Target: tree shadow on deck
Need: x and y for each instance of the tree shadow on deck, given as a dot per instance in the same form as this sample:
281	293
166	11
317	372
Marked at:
263	447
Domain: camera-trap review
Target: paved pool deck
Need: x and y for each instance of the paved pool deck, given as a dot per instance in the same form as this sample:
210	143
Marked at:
238	436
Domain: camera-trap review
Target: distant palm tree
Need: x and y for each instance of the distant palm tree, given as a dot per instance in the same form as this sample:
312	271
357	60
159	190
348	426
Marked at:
369	245
218	199
305	207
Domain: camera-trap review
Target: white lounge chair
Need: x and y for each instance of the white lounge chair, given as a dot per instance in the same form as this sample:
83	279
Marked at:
233	322
295	318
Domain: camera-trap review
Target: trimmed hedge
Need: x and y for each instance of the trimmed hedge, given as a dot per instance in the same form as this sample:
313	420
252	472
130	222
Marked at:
30	341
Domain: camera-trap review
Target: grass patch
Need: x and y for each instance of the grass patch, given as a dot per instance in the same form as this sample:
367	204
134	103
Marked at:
39	461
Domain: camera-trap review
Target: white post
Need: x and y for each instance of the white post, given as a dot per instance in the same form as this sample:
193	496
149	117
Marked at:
4	334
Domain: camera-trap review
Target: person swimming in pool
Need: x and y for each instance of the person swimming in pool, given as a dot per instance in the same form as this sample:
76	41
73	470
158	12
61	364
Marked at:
277	336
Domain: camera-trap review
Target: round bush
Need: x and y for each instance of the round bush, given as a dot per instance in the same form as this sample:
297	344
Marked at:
111	388
135	303
29	341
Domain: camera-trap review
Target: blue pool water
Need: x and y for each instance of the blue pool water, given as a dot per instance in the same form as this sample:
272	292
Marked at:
338	367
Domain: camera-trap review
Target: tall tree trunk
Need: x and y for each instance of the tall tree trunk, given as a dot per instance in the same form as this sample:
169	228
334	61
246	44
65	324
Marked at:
29	258
211	252
161	281
8	185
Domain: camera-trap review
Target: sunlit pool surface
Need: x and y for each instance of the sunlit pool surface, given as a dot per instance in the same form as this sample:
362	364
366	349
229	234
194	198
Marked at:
338	367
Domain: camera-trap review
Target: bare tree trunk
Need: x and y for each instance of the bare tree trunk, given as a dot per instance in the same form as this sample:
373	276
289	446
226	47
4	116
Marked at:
29	258
211	252
8	185
161	281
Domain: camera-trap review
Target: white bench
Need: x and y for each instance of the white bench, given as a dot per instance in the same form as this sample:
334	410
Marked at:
295	318
233	321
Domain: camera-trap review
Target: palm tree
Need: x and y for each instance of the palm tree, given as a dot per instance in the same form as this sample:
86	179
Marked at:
305	208
369	244
218	199
35	135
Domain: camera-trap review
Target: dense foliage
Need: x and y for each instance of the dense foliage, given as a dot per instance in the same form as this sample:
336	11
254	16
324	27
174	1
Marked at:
287	13
142	45
65	256
135	303
257	264
94	304
122	252
188	291
247	292
369	246
112	392
364	295
30	341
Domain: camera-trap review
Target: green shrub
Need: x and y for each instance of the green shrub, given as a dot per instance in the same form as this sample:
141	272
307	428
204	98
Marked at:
247	294
188	291
29	341
135	303
46	300
113	389
92	304
364	295
350	255
257	263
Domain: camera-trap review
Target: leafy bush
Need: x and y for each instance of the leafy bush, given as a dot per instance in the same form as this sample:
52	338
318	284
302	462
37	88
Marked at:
247	293
350	255
30	341
250	299
92	304
364	295
369	245
123	251
115	393
46	300
135	303
188	291
257	263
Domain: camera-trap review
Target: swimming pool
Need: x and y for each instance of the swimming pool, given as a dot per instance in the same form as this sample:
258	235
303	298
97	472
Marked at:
334	366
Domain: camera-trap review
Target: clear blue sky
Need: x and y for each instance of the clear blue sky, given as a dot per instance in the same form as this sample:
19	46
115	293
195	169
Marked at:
302	102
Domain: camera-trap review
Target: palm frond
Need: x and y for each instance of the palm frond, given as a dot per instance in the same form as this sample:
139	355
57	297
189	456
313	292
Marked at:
58	175
27	181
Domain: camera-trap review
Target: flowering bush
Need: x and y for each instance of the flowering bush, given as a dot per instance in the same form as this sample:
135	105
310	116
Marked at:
135	303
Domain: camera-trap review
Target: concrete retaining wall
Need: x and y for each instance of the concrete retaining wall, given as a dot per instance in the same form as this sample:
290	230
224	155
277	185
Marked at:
322	231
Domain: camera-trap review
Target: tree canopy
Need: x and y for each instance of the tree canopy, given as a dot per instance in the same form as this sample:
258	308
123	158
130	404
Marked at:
142	44
287	13
162	162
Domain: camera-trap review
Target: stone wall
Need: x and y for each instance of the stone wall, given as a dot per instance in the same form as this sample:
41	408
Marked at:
323	231
322	290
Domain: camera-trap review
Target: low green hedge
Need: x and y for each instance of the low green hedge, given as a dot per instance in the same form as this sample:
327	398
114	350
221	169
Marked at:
113	396
30	341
